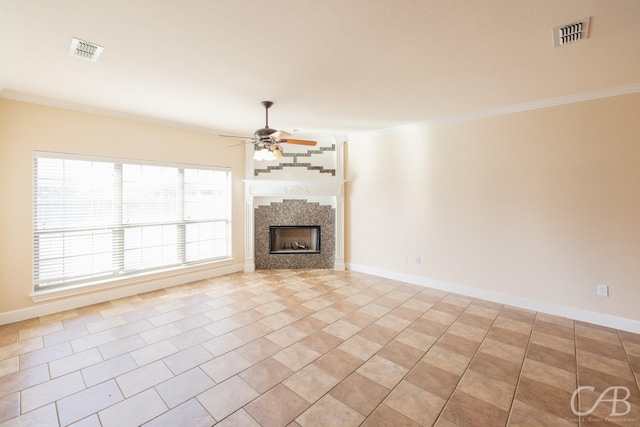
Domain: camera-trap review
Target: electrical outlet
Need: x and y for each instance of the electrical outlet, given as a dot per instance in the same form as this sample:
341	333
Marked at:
405	259
602	290
418	260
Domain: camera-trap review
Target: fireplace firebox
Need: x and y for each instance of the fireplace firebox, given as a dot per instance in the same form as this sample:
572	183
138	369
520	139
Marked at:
294	239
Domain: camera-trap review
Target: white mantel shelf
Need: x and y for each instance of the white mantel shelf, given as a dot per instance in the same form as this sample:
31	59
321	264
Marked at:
267	188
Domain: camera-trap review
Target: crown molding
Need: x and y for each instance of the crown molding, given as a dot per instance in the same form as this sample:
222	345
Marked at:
48	102
527	106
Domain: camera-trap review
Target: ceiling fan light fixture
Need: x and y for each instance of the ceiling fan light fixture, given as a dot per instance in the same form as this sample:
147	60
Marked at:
264	155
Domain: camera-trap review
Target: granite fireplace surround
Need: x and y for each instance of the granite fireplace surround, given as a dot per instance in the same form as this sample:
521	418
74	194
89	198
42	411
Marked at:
296	212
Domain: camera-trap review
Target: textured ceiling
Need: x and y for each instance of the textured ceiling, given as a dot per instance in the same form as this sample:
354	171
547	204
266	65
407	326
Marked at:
335	66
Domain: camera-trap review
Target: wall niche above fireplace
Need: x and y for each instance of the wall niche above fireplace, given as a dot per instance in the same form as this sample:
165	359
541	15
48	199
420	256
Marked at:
294	239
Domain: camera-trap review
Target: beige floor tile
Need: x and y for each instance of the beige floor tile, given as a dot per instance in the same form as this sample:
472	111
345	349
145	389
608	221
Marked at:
466	410
360	393
286	336
46	416
329	411
554	342
87	402
74	362
400	353
296	356
223	344
433	379
338	363
108	369
153	352
40	330
240	418
393	322
9	407
133	382
183	387
458	344
548	374
502	350
360	347
225	366
10	366
21	347
523	415
383	371
490	390
227	397
603	364
121	346
321	341
191	413
50	391
385	416
134	411
415	403
342	329
186	359
466	331
311	382
258	350
92	341
277	407
496	368
264	375
65	335
43	355
446	360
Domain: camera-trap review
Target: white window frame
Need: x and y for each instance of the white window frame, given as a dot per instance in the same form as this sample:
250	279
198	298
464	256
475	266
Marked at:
158	273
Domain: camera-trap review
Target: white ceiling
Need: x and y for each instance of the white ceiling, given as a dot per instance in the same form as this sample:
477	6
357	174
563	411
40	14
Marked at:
334	66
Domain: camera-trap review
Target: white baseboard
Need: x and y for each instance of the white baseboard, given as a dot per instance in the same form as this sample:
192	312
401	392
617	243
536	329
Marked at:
51	307
602	319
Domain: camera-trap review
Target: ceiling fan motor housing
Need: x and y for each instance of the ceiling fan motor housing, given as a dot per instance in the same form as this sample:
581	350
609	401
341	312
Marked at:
264	133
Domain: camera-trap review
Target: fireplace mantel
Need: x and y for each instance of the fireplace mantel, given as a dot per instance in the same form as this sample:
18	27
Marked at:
259	190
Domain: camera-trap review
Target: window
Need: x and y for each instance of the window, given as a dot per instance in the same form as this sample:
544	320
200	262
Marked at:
98	219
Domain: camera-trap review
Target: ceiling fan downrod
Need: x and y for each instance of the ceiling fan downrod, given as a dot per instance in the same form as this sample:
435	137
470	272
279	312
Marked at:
265	131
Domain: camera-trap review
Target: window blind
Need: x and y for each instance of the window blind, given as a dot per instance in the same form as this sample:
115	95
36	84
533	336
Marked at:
98	219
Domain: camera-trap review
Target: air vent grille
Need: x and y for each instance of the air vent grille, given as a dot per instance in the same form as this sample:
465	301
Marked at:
571	33
85	50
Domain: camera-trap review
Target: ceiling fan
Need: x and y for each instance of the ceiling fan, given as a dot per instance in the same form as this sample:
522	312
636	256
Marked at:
268	140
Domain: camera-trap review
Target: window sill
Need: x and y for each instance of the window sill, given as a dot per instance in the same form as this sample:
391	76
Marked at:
169	276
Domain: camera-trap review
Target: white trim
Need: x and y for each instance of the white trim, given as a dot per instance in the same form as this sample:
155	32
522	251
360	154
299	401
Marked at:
115	293
500	111
39	100
574	313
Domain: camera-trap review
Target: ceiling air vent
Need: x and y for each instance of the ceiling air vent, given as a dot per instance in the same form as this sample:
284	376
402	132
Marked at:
571	33
84	49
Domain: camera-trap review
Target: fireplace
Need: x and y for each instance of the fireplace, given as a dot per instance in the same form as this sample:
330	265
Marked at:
293	239
290	221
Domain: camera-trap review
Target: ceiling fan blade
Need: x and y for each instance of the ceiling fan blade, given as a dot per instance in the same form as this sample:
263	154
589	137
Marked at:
279	134
299	142
242	143
237	136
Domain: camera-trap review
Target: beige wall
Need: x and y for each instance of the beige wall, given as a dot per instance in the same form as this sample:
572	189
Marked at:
26	127
541	205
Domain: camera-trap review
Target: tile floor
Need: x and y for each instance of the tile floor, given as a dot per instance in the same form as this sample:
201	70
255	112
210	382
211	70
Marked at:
313	348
